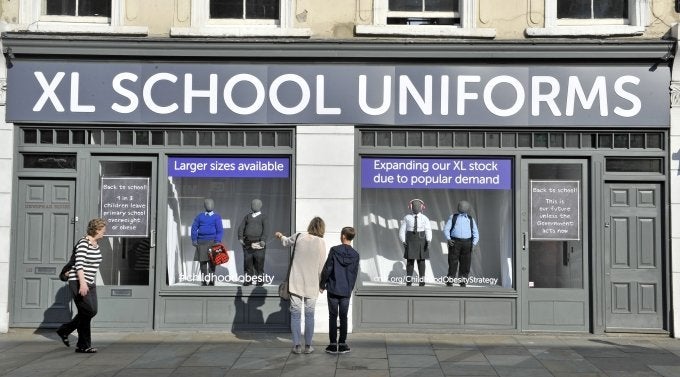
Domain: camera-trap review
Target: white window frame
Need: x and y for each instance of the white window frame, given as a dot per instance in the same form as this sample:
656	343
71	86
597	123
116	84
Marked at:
203	25
467	28
638	15
31	19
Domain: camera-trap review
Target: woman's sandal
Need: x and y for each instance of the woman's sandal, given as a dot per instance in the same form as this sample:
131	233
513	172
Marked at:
86	350
64	338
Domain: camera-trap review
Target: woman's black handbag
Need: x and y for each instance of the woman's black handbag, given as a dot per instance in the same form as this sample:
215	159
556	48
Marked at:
63	275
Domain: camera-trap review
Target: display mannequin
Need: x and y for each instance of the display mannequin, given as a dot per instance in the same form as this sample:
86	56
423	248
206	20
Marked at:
206	231
252	236
415	234
462	235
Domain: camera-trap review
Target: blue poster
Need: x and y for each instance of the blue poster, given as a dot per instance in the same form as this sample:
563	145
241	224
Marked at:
229	167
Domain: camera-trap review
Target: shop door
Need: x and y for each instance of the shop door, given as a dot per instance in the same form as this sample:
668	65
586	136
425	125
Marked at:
123	191
43	245
633	268
554	250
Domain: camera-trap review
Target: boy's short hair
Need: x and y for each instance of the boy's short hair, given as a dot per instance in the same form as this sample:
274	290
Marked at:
348	232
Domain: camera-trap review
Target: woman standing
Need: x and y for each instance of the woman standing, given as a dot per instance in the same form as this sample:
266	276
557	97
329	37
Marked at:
303	283
81	282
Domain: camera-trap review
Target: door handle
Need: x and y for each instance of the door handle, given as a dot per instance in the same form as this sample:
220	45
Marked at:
152	239
524	240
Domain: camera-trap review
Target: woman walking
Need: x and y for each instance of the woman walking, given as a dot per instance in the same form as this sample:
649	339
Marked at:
81	282
303	284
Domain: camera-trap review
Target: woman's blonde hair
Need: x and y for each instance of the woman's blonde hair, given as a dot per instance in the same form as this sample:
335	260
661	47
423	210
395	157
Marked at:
317	227
94	226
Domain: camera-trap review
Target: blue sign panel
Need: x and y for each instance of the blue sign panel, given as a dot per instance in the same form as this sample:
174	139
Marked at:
228	167
439	173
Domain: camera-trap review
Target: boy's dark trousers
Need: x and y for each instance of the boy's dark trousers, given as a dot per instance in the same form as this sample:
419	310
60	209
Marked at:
337	305
461	251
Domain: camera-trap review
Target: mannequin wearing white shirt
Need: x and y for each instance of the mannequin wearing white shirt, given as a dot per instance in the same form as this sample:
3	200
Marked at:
415	234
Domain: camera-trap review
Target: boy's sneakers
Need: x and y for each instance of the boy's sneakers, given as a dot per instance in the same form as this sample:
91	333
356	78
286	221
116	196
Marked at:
297	349
309	349
332	348
343	348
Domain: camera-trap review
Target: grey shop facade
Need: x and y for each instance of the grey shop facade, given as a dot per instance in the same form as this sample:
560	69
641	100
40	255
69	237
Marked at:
562	149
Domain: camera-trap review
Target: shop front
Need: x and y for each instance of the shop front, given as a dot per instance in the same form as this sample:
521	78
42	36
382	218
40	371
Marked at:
564	165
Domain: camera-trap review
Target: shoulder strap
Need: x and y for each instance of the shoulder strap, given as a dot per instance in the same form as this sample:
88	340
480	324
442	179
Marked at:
292	255
453	224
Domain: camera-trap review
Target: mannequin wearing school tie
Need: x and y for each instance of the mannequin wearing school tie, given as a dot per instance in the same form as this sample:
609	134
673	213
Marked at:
415	234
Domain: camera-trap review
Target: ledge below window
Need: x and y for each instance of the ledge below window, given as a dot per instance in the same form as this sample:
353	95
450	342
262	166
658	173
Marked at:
424	31
239	31
79	28
582	31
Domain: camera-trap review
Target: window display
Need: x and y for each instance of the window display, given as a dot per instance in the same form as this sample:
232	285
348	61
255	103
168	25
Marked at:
207	200
476	192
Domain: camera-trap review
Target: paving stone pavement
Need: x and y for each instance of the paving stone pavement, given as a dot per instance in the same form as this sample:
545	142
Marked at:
38	353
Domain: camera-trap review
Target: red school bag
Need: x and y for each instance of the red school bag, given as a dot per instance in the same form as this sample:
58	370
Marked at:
218	254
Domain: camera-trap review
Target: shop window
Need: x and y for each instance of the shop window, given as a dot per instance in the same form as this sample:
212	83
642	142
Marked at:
30	136
236	139
621	140
461	139
76	16
493	140
232	183
95	137
174	138
637	140
221	139
389	184
634	165
126	137
243	18
604	141
593	18
205	138
654	141
268	139
189	138
441	18
398	139
524	140
556	140
446	139
572	140
509	140
476	139
429	139
49	161
157	138
540	140
62	137
78	136
588	140
46	136
110	137
285	139
252	139
415	139
142	137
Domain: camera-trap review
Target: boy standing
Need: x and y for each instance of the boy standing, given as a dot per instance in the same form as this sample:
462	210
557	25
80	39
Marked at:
338	277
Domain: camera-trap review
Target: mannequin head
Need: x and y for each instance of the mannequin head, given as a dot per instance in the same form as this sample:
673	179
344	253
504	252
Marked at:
464	206
256	205
209	205
416	205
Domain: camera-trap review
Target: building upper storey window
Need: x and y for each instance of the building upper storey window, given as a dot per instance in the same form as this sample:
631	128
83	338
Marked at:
241	18
427	18
593	18
75	16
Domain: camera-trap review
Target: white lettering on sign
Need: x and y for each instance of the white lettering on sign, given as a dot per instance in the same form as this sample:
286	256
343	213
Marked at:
292	94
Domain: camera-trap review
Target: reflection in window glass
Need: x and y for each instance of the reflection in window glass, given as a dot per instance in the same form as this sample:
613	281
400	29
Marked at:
590	9
232	199
245	9
382	211
92	8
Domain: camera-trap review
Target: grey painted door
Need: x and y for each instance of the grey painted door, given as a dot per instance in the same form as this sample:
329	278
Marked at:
43	245
633	267
553	246
123	191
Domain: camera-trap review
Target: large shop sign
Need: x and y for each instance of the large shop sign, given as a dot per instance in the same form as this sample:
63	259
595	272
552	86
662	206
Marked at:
404	94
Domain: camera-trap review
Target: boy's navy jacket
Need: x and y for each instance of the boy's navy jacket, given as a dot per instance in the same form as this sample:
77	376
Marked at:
340	271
